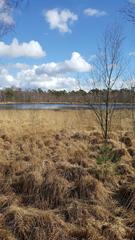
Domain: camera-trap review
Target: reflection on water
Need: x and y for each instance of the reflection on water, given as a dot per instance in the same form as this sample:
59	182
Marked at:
49	106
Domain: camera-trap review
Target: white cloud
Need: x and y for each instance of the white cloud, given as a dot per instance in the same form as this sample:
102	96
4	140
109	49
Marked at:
76	64
92	12
6	79
29	79
53	75
60	19
20	66
16	49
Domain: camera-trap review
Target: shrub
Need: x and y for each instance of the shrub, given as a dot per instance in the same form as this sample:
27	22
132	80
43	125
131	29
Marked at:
108	154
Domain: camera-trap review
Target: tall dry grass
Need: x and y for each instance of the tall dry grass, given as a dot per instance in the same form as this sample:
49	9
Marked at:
55	120
51	185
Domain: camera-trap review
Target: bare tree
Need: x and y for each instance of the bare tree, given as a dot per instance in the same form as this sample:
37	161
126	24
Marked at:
107	70
129	11
7	8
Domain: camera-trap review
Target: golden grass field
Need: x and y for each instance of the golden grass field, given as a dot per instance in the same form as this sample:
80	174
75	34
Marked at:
53	120
58	181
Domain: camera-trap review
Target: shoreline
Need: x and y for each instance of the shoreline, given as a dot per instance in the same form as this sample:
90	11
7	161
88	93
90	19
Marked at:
66	103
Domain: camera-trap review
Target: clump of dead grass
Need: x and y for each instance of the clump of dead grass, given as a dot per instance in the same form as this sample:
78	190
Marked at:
90	189
27	185
54	189
34	224
126	196
51	186
71	172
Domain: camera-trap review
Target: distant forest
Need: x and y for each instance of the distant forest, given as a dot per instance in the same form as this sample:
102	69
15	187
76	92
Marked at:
93	96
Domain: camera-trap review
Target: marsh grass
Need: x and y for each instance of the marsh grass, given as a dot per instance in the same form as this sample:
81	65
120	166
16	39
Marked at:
47	120
51	187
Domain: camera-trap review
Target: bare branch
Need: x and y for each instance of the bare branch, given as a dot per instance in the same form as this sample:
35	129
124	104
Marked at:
7	9
128	11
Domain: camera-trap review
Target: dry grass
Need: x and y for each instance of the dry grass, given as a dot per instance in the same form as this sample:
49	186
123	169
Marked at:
31	120
51	185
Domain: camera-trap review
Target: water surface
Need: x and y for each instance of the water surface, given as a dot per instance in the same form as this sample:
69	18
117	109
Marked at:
57	106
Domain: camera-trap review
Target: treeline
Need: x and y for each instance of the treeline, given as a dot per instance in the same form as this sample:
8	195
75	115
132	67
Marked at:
93	96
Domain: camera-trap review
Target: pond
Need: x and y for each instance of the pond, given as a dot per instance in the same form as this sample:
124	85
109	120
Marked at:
58	106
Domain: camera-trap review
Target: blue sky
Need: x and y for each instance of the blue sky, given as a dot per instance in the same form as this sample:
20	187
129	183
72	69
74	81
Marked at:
54	40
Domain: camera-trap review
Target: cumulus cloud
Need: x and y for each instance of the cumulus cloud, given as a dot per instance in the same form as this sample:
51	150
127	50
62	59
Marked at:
92	12
52	75
76	64
29	79
16	49
20	66
6	79
60	19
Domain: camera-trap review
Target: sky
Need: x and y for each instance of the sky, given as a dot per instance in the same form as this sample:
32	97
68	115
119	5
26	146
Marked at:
54	42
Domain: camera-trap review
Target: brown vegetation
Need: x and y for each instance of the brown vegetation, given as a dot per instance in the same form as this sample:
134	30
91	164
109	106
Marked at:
58	181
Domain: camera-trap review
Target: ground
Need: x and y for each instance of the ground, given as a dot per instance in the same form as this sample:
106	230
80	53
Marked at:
59	181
